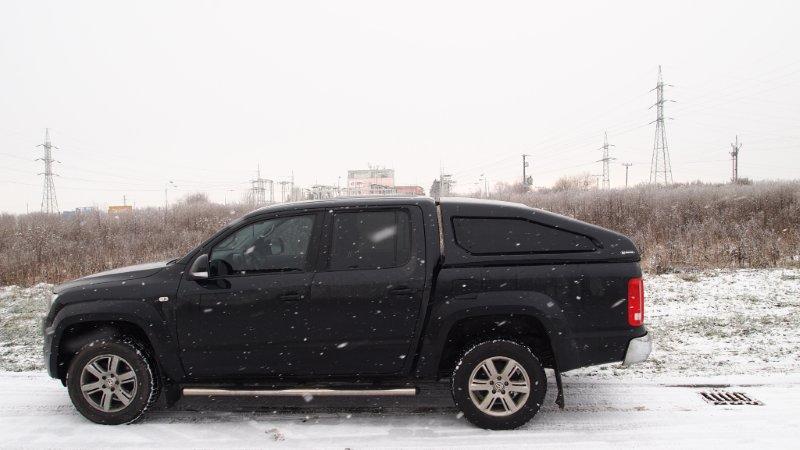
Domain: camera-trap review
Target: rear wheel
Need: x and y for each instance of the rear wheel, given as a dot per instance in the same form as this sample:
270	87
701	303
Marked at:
499	385
111	381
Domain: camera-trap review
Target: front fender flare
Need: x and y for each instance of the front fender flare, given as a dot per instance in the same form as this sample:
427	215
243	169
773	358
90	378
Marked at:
137	313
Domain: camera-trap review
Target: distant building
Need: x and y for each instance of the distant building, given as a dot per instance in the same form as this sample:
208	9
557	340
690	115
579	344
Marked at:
409	190
372	181
120	209
79	211
322	191
86	209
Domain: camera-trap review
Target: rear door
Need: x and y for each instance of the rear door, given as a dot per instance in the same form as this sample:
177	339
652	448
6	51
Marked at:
365	301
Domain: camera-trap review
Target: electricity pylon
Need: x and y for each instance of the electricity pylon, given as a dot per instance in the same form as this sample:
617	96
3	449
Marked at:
735	147
606	160
49	201
660	166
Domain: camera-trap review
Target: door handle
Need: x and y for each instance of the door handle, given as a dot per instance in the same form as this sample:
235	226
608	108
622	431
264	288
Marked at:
290	296
401	290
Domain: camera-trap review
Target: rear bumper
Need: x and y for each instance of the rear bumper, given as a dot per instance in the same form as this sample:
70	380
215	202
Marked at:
638	350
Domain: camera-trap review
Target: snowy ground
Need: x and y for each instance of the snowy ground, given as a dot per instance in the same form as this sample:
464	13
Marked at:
721	322
35	412
711	329
704	323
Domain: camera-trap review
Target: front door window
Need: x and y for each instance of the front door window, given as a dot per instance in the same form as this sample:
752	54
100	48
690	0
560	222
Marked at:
274	245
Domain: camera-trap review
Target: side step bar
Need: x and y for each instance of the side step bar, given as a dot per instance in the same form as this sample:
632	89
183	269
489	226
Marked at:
399	392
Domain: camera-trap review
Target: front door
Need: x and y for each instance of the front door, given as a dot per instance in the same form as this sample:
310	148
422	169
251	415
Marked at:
244	319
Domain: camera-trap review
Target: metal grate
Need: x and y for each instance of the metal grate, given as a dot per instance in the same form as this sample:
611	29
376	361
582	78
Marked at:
728	398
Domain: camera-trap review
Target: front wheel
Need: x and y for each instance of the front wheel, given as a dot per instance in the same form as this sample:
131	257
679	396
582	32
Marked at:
110	381
499	385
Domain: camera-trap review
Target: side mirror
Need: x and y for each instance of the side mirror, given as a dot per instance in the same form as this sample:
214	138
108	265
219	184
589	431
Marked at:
199	269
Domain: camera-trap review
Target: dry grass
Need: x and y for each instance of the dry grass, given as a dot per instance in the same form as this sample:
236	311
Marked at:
47	248
695	226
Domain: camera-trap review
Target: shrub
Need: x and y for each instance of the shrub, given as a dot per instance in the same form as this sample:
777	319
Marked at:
50	248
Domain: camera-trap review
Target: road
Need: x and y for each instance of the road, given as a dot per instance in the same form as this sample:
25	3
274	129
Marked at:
35	411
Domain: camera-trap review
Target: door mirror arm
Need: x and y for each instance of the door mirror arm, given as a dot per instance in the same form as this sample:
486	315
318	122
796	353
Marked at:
199	269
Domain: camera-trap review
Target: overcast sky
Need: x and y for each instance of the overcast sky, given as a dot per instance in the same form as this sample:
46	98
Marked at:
137	93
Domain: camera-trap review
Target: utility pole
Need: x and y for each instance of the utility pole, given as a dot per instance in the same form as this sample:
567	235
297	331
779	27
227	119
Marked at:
485	185
597	181
526	179
49	201
606	160
735	147
660	166
166	199
627	166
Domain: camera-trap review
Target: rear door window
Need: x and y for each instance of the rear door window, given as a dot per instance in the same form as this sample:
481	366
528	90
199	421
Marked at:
485	236
370	239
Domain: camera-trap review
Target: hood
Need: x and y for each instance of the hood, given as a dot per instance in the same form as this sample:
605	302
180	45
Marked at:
119	274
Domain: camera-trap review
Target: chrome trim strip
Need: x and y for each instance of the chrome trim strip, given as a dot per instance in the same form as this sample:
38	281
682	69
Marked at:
400	392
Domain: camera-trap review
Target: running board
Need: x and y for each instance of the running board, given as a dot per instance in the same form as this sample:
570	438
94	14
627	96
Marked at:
208	392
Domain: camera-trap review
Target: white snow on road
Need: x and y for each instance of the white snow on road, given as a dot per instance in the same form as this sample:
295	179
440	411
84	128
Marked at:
35	412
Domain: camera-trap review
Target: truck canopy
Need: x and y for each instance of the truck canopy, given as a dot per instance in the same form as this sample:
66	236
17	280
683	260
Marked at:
488	232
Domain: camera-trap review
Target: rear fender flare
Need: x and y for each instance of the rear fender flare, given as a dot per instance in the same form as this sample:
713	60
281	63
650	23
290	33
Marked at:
449	311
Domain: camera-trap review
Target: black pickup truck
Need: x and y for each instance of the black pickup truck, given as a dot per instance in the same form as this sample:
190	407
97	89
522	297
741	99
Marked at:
356	297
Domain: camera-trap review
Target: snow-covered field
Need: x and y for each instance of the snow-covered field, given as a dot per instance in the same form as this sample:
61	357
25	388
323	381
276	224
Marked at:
719	322
712	329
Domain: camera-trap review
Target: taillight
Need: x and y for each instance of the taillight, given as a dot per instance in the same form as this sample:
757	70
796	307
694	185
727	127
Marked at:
635	302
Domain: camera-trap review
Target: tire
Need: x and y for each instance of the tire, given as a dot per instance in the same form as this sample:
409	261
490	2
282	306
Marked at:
499	404
107	390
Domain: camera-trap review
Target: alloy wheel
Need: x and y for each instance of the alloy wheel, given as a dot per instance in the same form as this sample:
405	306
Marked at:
108	383
499	386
